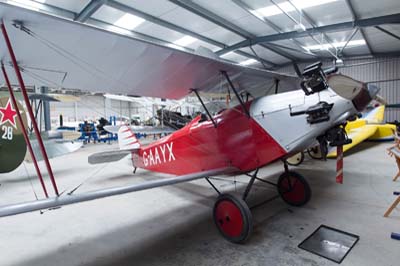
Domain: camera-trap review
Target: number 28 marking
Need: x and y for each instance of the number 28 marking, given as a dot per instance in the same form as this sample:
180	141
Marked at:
8	133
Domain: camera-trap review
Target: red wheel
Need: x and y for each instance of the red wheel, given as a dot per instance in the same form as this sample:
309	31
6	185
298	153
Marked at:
294	189
233	218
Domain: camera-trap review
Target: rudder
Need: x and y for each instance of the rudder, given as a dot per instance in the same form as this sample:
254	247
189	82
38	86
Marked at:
127	139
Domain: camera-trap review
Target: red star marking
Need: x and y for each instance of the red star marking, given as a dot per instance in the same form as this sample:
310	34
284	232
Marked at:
8	114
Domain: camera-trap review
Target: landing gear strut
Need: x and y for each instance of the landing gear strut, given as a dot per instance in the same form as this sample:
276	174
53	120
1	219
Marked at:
232	215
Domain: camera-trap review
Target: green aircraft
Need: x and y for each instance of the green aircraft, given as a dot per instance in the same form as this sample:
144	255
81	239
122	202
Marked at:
12	142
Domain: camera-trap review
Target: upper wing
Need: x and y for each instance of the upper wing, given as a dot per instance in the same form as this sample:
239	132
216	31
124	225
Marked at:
63	53
357	135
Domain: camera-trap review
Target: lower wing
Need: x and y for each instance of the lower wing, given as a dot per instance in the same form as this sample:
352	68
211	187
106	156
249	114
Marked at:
69	198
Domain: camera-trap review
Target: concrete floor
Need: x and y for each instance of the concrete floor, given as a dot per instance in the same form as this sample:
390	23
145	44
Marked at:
173	225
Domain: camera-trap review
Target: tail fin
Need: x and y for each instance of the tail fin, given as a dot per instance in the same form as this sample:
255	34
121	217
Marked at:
376	115
127	139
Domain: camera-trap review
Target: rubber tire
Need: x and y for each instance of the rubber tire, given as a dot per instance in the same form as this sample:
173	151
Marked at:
245	214
299	178
298	162
312	154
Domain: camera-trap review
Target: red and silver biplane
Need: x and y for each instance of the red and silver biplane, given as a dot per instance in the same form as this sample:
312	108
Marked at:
238	140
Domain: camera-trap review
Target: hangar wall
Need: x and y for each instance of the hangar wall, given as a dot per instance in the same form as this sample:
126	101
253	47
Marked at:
383	72
90	108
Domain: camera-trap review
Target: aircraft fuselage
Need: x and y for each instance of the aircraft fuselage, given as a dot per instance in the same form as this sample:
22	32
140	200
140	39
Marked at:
246	143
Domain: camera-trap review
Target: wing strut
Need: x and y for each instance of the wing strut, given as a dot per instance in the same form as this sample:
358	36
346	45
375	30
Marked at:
204	106
29	107
236	93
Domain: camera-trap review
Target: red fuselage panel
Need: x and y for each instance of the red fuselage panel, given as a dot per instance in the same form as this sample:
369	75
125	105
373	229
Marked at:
237	141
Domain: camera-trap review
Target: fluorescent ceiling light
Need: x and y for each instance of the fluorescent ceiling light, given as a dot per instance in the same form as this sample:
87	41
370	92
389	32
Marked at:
185	41
326	46
273	10
128	22
33	5
248	62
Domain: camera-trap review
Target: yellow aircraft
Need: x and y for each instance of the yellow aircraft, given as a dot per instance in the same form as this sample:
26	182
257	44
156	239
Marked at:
369	127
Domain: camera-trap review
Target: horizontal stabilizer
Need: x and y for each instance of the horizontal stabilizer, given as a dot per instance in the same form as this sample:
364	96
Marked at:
108	156
54	148
142	129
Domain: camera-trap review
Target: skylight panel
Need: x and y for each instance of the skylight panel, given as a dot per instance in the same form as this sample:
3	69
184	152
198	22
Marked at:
185	41
33	5
248	62
326	46
273	10
129	21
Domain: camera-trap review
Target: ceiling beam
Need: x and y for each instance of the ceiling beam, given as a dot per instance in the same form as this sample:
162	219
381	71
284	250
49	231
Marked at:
158	21
312	22
387	32
351	36
208	15
312	25
361	56
176	28
223	23
269	23
355	18
89	10
343	26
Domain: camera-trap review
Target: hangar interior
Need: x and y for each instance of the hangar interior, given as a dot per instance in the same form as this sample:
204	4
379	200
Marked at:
237	139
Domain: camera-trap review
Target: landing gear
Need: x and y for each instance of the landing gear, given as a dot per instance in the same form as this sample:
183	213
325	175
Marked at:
296	159
232	215
294	189
233	218
315	152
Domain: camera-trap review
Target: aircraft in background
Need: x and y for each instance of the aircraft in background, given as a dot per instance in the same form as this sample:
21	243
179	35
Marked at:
370	126
239	140
12	143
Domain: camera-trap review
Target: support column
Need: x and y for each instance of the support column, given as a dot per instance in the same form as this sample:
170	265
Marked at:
46	110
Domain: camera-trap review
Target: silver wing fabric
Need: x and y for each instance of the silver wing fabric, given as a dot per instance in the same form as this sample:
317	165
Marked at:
56	52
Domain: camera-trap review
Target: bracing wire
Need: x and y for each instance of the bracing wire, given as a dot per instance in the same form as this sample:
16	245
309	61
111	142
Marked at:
30	181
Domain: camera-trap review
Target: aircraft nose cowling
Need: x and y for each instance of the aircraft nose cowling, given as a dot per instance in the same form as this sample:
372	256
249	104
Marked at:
359	93
365	96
